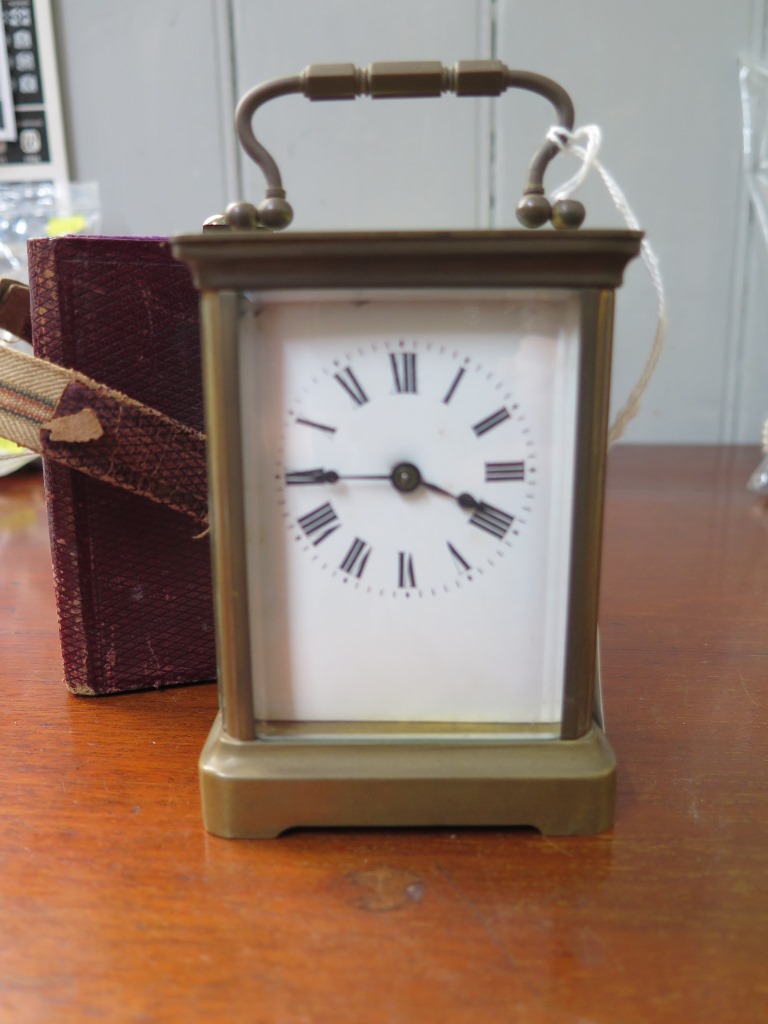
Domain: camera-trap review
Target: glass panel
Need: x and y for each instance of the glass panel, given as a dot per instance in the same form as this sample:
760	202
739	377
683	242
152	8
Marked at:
408	483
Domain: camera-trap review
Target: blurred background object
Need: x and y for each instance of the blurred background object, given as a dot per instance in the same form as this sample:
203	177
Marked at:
753	79
148	91
43	209
35	210
36	196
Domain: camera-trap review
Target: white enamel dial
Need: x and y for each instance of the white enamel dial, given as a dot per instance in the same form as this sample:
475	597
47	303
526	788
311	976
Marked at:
408	472
408	468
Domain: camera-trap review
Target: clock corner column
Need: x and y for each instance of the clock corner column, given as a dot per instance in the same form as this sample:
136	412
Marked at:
219	319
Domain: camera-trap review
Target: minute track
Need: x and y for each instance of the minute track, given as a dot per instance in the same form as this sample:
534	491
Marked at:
401	525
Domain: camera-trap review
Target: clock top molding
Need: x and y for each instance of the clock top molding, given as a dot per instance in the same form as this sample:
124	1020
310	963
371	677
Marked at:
226	260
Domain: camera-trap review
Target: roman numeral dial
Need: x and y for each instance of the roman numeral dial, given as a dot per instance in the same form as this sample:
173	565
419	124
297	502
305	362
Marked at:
403	365
492	520
454	385
406	574
503	472
461	564
320	523
356	559
491	422
305	476
347	380
407	466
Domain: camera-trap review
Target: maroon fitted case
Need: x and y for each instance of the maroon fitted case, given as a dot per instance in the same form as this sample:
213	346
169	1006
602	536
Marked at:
133	583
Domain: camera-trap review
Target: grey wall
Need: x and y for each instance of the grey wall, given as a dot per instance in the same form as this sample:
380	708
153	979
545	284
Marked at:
149	87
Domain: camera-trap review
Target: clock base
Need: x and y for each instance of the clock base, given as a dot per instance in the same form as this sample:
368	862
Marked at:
260	788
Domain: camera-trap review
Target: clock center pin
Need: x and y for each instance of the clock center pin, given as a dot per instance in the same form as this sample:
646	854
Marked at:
406	477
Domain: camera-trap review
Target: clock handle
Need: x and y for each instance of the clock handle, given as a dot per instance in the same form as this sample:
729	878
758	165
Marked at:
400	81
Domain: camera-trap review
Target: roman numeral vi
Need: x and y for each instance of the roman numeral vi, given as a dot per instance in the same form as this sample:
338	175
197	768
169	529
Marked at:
406	577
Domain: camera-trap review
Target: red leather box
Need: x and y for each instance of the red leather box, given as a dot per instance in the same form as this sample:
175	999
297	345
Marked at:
133	583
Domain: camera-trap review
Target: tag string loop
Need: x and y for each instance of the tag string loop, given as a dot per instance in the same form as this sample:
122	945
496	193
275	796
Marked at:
584	144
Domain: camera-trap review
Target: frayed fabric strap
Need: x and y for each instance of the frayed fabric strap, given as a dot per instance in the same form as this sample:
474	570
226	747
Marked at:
66	416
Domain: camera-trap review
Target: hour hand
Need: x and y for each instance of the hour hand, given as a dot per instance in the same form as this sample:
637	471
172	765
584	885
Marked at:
464	500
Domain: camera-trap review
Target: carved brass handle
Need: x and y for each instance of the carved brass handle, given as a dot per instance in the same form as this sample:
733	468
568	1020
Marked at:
402	80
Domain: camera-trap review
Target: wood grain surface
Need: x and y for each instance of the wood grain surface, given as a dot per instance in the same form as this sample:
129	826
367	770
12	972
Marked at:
116	906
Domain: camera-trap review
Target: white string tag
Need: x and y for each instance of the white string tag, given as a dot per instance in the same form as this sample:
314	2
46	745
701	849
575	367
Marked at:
758	482
584	144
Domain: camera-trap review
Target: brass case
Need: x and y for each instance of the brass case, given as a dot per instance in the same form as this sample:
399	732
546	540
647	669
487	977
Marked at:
260	787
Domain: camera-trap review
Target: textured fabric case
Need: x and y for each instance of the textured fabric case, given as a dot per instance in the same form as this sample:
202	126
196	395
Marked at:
132	578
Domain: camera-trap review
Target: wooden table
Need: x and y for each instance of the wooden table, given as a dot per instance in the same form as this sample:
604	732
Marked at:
117	906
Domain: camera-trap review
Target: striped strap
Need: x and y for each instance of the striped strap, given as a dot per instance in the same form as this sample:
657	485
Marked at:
29	393
66	416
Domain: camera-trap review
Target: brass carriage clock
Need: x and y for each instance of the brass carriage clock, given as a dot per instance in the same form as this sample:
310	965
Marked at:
407	439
